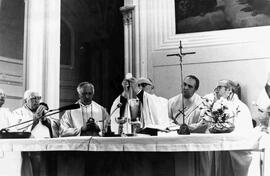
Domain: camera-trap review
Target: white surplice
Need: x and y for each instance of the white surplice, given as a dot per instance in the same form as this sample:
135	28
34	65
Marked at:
73	120
234	163
115	113
154	112
23	114
5	117
192	110
6	158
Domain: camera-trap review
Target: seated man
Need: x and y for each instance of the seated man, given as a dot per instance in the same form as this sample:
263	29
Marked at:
40	127
153	109
5	114
120	111
12	156
84	121
192	102
243	119
32	109
233	162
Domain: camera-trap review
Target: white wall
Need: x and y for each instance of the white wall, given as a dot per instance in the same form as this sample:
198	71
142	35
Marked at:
241	55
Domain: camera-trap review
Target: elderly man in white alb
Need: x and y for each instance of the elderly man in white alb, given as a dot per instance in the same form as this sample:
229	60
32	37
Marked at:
77	122
192	102
234	163
39	126
33	110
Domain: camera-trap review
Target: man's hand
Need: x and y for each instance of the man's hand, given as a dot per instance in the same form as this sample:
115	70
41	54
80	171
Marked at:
84	128
126	86
134	85
40	111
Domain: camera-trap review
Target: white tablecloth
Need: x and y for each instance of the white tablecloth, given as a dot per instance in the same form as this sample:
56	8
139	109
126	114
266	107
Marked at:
11	148
193	142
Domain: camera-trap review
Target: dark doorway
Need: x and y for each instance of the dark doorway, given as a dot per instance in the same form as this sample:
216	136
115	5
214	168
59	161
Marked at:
96	49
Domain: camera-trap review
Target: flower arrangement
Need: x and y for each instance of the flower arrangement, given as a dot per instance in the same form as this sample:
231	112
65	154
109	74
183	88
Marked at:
219	114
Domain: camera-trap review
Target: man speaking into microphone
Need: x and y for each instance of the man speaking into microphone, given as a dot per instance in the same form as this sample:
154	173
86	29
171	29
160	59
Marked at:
32	109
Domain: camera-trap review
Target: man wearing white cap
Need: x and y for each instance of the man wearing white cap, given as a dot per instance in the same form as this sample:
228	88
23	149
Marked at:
154	109
233	162
33	110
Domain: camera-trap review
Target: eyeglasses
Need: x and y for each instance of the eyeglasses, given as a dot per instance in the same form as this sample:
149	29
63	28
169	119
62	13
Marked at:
143	85
36	98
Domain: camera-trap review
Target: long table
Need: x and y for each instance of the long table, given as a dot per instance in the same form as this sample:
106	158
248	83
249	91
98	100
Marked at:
165	143
140	145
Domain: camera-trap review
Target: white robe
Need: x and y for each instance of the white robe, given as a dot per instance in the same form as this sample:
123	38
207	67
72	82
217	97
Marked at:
6	158
5	117
192	110
23	114
116	114
73	120
154	112
235	163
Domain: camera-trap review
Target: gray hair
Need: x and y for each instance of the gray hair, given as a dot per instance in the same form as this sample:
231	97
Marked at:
82	84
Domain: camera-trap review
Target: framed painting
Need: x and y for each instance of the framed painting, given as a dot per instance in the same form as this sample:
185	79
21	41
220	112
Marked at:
210	15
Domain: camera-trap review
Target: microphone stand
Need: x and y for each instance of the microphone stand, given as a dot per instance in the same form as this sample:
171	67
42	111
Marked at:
184	129
45	115
109	133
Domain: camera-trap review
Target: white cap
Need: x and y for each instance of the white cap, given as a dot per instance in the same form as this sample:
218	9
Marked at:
30	94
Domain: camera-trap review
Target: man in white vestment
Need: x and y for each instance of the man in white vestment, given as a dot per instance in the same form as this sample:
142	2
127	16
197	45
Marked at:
197	162
233	163
5	114
153	109
192	103
6	158
120	111
39	126
33	111
78	122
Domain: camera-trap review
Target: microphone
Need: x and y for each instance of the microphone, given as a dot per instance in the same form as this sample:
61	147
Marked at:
68	107
168	55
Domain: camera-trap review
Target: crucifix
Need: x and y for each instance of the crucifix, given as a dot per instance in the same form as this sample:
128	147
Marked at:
183	127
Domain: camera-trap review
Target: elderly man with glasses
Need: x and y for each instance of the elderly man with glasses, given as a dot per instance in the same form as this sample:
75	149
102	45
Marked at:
33	110
233	162
153	109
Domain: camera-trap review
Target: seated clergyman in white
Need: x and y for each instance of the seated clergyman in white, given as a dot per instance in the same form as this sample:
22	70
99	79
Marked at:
233	162
40	126
243	119
154	109
6	157
120	111
76	122
192	103
5	114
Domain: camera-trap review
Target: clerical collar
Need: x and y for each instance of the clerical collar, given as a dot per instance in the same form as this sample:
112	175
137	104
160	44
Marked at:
83	105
